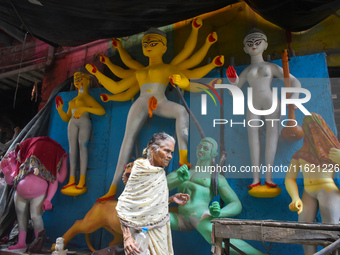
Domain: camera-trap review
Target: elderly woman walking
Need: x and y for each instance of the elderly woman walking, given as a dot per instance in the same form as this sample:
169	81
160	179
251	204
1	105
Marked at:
144	201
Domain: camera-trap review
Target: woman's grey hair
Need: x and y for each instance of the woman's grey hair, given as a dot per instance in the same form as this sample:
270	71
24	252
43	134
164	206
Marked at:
156	141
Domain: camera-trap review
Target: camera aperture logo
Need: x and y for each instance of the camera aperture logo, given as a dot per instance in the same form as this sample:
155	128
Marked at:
239	109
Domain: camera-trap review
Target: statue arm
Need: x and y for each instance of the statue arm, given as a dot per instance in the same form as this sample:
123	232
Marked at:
190	43
291	186
197	58
177	177
294	82
8	170
117	70
52	189
111	85
63	115
62	174
204	70
198	87
92	107
121	97
233	205
125	57
173	181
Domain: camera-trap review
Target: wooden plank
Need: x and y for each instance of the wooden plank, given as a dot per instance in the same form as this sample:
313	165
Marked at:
278	235
283	224
276	231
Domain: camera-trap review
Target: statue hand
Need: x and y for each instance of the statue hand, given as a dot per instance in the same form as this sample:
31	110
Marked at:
5	166
212	38
78	113
334	155
175	80
104	97
293	106
197	23
59	102
296	206
215	209
104	59
91	68
219	60
183	173
47	205
231	74
116	43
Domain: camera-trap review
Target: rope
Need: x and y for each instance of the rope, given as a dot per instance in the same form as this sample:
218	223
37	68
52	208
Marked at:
22	21
18	78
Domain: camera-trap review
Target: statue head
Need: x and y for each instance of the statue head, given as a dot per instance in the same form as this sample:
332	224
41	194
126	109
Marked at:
255	41
207	149
81	80
154	41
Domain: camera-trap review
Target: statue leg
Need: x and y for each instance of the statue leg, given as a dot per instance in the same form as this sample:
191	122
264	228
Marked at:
83	139
254	146
72	134
136	118
172	110
310	209
272	139
328	203
36	213
21	209
179	223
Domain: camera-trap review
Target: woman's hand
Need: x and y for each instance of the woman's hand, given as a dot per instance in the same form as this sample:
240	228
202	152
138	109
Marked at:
129	243
179	198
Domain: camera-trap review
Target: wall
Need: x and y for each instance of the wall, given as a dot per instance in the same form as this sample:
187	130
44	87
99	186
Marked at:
234	21
107	134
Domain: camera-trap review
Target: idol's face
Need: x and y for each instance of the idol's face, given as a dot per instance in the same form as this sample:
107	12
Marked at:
203	151
153	46
255	45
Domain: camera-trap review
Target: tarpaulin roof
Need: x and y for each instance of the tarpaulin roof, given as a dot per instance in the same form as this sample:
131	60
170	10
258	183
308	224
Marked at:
76	22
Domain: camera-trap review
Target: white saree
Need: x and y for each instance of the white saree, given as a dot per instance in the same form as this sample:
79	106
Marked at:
144	203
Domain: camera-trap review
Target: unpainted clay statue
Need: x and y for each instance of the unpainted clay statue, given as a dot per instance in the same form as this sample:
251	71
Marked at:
259	75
